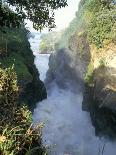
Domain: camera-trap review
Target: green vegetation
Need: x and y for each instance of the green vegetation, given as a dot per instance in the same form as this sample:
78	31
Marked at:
44	47
8	17
17	136
96	18
41	13
15	49
67	33
103	27
48	42
8	93
102	62
89	74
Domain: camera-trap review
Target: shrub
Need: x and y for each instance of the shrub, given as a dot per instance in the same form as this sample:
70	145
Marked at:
102	27
102	62
17	135
8	93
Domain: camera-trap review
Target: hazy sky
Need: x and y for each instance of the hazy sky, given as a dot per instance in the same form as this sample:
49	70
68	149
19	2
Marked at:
63	16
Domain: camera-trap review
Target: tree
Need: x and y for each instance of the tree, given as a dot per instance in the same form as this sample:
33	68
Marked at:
40	12
9	18
106	3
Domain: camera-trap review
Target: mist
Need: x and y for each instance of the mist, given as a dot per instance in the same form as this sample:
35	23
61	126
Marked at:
68	129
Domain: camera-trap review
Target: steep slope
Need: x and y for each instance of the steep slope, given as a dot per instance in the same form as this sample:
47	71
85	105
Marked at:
91	45
15	49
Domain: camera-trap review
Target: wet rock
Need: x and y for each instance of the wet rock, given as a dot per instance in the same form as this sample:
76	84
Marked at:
33	91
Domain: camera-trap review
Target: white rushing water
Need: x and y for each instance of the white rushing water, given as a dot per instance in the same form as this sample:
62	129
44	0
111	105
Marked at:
68	129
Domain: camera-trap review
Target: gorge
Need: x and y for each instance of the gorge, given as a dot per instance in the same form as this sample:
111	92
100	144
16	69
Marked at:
64	102
80	83
67	129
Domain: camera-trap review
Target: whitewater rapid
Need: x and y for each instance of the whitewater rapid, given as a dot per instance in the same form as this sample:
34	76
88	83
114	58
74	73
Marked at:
68	129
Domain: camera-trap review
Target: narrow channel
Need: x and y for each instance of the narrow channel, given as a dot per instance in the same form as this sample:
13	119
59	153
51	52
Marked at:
68	129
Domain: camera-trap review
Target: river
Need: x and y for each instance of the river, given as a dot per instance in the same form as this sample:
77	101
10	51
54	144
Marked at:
68	129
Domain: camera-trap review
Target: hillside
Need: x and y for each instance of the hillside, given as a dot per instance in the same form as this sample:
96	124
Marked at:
20	85
90	45
20	89
15	49
48	42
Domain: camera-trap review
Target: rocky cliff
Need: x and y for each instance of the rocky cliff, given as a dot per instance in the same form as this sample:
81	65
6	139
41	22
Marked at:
103	90
97	68
90	47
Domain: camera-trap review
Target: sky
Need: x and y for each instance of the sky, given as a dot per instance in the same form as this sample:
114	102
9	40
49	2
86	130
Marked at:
63	16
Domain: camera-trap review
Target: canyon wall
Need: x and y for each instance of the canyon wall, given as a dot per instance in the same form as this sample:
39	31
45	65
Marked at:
86	53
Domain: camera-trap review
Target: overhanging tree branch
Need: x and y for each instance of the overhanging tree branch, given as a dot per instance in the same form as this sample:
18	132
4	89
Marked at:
40	12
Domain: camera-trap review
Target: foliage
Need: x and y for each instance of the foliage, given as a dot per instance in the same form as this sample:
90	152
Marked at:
102	27
8	17
17	135
97	18
89	74
43	47
107	3
41	13
102	62
46	44
8	93
77	24
20	137
15	49
48	41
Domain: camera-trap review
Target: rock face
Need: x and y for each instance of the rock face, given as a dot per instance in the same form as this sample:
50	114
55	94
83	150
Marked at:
80	53
94	24
99	92
77	55
103	94
34	90
62	72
